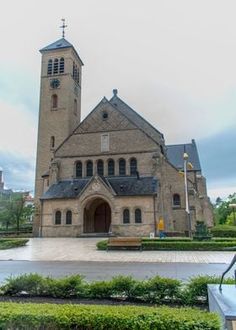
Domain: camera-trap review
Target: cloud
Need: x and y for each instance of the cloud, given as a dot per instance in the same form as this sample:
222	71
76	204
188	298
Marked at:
18	130
18	172
218	160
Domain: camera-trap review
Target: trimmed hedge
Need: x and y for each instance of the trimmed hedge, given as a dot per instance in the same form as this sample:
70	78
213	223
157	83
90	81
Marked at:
102	245
51	316
168	239
190	246
183	245
158	289
7	243
223	231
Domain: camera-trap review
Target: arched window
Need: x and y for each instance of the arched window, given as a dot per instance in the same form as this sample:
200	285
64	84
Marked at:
77	78
111	167
133	166
52	142
122	167
68	217
58	218
176	200
138	216
54	101
78	170
49	66
75	107
100	167
89	168
126	217
62	65
55	66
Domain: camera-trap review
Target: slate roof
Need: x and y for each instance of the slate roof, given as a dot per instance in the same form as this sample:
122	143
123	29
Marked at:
138	120
65	189
60	44
175	155
122	186
131	186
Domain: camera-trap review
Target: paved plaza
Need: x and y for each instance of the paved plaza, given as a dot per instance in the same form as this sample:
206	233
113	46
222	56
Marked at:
84	249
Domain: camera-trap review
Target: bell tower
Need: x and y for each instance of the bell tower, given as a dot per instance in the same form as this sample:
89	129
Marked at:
60	103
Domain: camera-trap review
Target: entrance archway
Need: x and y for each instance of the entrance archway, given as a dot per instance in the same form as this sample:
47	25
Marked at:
97	216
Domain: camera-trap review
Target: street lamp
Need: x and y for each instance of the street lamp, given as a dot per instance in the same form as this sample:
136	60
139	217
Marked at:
233	207
185	157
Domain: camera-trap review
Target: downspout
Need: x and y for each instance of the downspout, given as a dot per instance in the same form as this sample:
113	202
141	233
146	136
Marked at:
41	220
155	217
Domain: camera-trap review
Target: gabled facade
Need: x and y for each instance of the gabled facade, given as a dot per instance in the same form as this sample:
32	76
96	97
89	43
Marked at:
111	173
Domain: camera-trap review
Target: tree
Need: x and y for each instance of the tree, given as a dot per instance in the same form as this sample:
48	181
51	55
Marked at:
222	210
13	211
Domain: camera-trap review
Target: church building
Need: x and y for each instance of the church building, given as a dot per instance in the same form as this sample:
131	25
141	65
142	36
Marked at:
111	173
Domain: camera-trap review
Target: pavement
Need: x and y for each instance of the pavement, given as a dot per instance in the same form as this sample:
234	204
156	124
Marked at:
84	249
98	270
59	257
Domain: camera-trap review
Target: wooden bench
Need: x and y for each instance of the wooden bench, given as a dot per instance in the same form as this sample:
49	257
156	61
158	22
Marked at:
124	243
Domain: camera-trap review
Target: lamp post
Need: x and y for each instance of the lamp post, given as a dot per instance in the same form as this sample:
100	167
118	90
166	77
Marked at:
185	157
233	206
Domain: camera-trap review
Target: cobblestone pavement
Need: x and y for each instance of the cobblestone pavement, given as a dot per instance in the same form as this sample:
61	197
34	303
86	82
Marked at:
84	249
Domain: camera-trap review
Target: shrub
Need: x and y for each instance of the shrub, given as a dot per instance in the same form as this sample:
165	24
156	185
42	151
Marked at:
223	231
49	316
196	289
100	290
31	284
167	239
68	287
182	244
102	245
189	246
122	286
37	285
160	289
7	243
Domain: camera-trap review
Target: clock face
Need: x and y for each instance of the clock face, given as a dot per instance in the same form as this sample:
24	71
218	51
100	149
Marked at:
55	83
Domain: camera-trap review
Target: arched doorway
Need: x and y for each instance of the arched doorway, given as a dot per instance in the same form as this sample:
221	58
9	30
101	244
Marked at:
97	216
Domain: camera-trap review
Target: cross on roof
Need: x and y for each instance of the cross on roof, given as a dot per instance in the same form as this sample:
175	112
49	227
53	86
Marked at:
63	27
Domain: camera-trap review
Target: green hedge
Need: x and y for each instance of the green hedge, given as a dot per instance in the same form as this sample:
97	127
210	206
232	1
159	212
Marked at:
223	231
168	239
219	244
102	245
7	243
154	290
51	316
196	288
190	246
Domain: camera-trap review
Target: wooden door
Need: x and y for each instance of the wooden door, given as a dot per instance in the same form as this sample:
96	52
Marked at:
102	218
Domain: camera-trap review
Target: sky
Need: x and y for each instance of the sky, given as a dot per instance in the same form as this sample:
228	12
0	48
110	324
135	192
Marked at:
174	62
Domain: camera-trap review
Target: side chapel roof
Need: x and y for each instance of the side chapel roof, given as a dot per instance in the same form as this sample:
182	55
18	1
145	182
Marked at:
122	186
175	155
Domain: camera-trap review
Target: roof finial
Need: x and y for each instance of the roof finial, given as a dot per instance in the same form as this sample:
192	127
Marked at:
63	27
115	92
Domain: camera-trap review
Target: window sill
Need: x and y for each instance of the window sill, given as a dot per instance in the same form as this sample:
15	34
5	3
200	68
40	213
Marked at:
176	207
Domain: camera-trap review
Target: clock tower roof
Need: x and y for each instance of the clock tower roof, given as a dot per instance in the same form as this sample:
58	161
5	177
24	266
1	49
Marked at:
60	44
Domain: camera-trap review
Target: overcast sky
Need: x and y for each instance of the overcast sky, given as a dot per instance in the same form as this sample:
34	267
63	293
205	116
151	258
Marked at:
172	61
